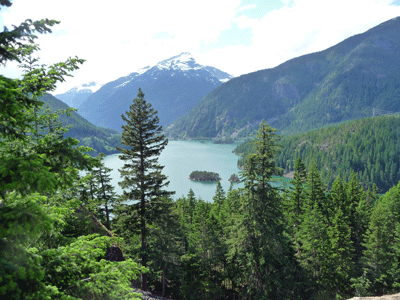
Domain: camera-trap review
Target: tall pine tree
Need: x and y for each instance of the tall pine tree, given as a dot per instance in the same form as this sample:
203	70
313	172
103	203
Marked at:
142	181
295	200
262	247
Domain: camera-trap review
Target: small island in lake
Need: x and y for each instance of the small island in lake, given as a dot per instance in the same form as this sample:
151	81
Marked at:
234	178
204	176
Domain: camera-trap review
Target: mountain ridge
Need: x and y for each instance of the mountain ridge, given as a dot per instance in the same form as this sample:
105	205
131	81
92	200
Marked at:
343	82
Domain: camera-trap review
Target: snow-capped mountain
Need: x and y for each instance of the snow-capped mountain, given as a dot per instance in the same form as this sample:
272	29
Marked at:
186	64
173	87
78	94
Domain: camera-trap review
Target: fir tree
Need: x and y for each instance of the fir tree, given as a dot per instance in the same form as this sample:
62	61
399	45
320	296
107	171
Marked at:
142	181
263	249
381	257
219	197
341	253
358	217
315	191
314	252
295	202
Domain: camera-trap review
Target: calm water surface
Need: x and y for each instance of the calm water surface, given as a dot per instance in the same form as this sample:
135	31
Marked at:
180	158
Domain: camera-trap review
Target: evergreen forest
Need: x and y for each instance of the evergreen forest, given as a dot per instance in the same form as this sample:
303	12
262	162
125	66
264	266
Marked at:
370	147
65	234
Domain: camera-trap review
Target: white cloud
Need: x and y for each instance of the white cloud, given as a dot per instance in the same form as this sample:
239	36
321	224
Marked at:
246	22
306	26
246	7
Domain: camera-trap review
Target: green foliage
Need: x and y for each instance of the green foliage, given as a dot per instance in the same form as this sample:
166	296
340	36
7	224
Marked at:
12	105
80	270
41	165
23	221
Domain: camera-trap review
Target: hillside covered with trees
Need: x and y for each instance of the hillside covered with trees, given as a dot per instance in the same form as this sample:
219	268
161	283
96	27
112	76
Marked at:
369	147
102	140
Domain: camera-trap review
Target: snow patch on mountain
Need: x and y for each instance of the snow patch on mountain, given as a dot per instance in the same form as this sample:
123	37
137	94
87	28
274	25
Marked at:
183	62
222	76
138	72
133	75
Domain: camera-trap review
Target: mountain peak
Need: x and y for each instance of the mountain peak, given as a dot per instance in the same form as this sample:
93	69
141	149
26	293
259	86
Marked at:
183	62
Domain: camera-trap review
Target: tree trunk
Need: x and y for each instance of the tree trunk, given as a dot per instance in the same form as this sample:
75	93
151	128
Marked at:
105	199
144	254
163	279
143	229
108	217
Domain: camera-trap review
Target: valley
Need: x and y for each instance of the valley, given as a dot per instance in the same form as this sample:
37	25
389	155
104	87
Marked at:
181	181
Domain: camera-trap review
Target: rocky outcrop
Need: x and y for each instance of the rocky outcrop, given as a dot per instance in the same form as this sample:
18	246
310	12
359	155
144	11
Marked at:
385	297
148	295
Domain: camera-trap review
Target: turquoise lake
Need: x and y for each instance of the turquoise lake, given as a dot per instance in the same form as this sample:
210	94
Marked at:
180	158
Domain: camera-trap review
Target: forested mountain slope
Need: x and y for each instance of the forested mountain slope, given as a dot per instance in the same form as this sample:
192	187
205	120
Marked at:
100	139
370	147
341	83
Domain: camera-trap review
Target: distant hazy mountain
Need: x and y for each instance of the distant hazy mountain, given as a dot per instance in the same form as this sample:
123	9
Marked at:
344	82
78	94
173	87
100	139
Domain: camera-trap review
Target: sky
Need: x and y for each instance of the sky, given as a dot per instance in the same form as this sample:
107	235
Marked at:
237	36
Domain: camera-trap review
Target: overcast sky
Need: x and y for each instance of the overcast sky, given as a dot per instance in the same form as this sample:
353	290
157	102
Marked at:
236	36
